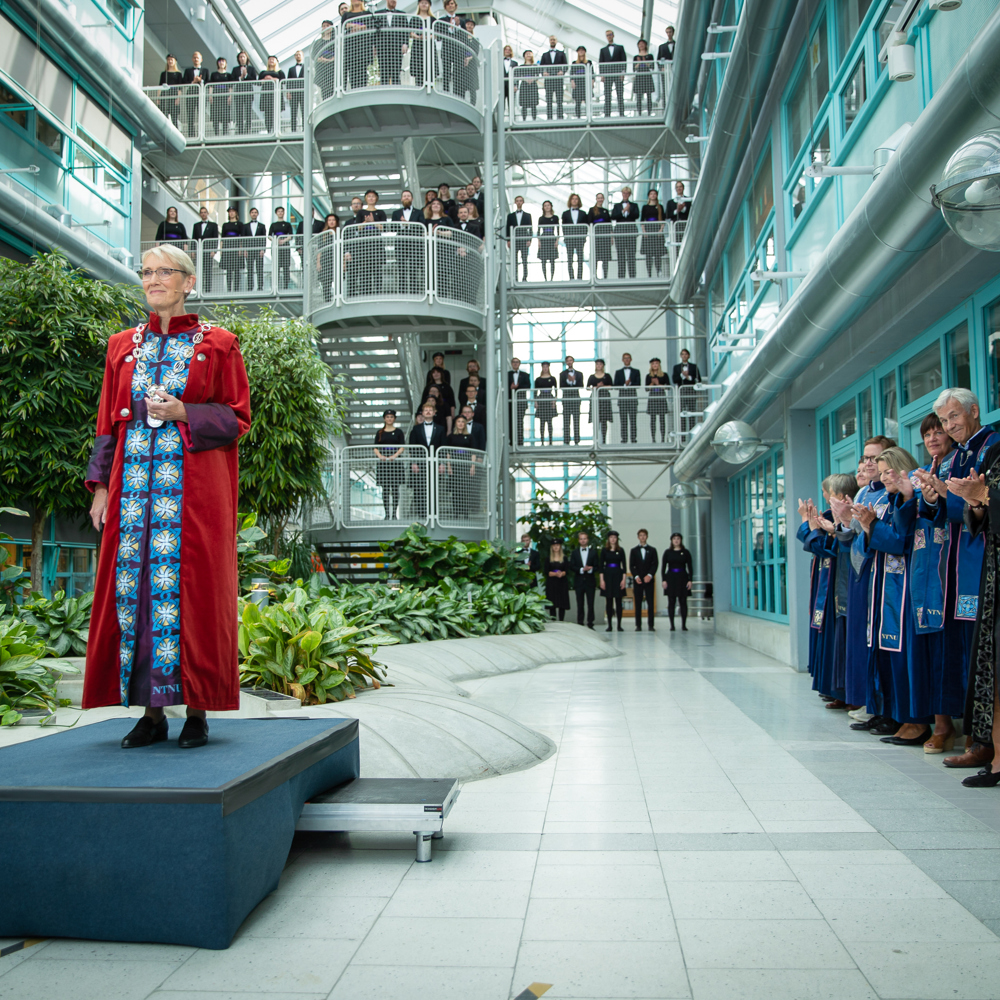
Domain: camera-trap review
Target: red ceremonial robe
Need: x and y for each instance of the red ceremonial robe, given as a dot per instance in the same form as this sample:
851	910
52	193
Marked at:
217	399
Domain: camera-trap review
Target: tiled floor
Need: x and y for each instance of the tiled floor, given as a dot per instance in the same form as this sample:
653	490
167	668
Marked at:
706	830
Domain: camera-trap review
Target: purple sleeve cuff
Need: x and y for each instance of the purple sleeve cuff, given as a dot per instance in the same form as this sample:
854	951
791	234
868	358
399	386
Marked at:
209	425
101	457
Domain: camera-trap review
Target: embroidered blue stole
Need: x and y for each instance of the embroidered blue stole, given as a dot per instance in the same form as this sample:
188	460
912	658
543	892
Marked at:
929	569
151	506
882	504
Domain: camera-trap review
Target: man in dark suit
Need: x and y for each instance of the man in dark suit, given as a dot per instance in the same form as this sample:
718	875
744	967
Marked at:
208	232
613	63
583	563
628	404
686	374
551	59
570	381
519	217
679	206
281	232
473	399
576	238
449	30
194	76
527	555
429	436
472	367
625	215
255	245
642	565
478	195
410	247
467	225
294	76
516	380
474	427
392	33
665	53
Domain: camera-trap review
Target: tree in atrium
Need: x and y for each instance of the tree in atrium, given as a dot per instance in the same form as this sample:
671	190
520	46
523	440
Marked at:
54	326
297	406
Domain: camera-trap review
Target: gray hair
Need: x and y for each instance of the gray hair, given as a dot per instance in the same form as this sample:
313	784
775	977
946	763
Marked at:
965	398
840	484
177	257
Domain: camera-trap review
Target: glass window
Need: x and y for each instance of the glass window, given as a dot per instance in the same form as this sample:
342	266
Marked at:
890	413
810	90
993	349
761	197
888	22
718	300
854	94
922	374
48	136
819	154
736	256
17	115
850	14
867	417
113	188
959	358
711	93
118	11
85	166
824	447
845	421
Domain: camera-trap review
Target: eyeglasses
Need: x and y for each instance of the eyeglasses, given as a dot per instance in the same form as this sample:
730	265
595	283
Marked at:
161	272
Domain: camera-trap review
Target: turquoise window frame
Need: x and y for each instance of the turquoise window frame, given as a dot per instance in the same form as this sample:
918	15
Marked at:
757	581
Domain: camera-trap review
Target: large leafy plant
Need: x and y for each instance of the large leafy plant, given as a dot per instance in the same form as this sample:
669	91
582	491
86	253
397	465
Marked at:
13	579
250	561
62	623
24	682
549	521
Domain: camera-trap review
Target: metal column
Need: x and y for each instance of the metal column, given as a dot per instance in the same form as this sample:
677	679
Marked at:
493	449
307	183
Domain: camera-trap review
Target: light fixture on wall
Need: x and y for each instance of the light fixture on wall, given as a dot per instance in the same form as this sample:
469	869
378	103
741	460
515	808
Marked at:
199	11
31	168
969	192
710	56
944	4
724	29
776	275
89	225
736	442
902	58
697	138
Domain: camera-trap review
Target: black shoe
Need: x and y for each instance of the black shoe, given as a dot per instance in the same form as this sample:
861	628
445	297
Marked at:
916	741
651	629
194	733
638	628
984	779
867	726
672	629
684	628
609	629
620	629
145	733
887	727
591	625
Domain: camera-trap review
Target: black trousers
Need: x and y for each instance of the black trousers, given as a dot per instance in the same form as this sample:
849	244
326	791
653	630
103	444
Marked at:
574	248
672	603
256	265
295	101
627	409
644	592
613	604
619	84
585	590
522	408
626	246
554	88
571	414
521	254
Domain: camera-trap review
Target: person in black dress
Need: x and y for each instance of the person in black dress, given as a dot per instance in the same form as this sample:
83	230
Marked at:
389	441
526	81
268	91
545	401
557	581
676	575
548	240
442	413
170	97
358	44
651	224
170	230
657	401
603	403
578	79
642	66
463	472
436	377
643	563
281	235
326	255
686	374
232	258
600	219
612	579
242	75
220	100
420	30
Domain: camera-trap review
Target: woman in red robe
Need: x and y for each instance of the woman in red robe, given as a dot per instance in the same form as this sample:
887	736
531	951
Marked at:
164	473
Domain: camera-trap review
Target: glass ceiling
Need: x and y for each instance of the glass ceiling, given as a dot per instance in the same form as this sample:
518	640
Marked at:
287	25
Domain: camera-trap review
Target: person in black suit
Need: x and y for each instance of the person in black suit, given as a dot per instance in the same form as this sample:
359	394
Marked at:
550	62
207	235
625	215
522	244
255	246
449	30
410	247
268	91
430	436
679	206
685	375
527	555
392	31
628	404
665	53
571	381
576	239
469	69
468	224
220	100
475	429
686	372
517	380
372	249
194	77
473	397
643	563
583	562
613	62
241	76
472	367
282	233
508	64
296	95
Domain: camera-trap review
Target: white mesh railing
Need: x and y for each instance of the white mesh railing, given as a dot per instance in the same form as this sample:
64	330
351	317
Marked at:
384	259
384	483
462	480
602	254
241	110
459	267
583	94
397	50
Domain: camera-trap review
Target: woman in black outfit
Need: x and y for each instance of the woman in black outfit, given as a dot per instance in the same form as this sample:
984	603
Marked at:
358	41
232	257
242	74
677	572
267	93
170	100
651	224
657	403
578	79
219	97
601	217
389	468
420	29
326	255
442	414
170	229
545	406
642	66
461	471
437	216
527	86
604	415
611	565
557	581
436	377
548	240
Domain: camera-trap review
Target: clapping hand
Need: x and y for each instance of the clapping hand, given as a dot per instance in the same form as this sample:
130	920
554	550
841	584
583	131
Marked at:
864	514
971	489
841	510
930	485
828	526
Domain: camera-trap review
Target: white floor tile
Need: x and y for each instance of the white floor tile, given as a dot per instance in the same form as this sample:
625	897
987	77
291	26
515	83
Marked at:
741	900
599	920
585	881
457	898
441	941
761	944
398	982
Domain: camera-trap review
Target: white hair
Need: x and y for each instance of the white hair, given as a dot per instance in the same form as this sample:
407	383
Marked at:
177	257
965	398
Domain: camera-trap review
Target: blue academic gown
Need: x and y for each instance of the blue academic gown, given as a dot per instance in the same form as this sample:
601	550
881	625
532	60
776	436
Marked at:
904	656
822	608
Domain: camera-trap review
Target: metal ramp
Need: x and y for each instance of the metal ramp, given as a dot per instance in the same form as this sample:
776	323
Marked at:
384	805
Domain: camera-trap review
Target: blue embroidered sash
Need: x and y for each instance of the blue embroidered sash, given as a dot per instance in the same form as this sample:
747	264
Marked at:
894	575
151	506
822	589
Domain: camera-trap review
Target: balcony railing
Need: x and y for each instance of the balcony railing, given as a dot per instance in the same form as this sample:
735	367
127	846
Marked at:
607	418
399	262
397	51
394	486
603	254
234	111
580	94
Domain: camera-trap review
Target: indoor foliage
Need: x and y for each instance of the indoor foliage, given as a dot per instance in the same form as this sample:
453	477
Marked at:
549	521
25	683
62	623
13	579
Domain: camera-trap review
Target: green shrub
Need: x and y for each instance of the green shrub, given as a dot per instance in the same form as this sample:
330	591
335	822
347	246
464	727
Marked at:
24	682
62	623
